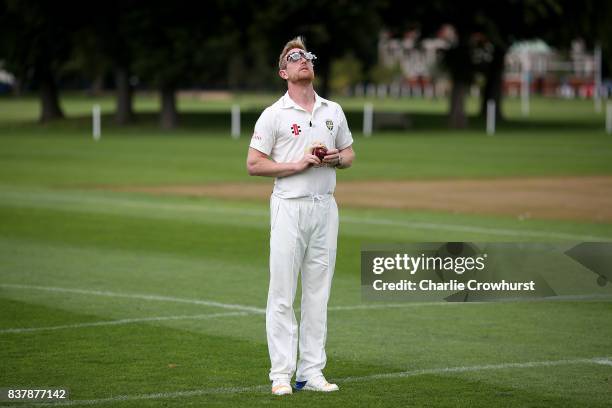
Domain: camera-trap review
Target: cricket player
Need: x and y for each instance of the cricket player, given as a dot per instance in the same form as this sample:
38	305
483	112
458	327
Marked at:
304	217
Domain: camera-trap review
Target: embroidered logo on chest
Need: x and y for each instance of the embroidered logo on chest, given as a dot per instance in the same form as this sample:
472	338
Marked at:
295	129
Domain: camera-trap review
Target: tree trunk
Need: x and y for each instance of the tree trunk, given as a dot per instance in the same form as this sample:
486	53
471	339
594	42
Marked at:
97	85
494	82
17	87
49	98
125	112
168	116
458	60
457	117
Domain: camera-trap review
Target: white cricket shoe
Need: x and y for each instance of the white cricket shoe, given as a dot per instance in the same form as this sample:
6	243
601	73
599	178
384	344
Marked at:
281	387
319	384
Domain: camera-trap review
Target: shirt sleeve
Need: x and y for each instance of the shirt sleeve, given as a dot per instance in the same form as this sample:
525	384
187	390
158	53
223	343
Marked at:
265	133
344	138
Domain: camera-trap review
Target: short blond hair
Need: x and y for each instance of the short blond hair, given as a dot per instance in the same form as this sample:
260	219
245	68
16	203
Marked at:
297	42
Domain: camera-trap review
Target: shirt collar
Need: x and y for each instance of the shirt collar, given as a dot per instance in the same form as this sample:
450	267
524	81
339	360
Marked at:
287	102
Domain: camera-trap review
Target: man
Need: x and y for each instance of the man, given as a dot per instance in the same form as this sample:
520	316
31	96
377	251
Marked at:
304	217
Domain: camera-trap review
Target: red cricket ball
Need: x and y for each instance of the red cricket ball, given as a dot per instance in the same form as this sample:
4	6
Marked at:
320	152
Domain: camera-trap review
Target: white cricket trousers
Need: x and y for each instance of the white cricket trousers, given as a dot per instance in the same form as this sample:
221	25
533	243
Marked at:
303	237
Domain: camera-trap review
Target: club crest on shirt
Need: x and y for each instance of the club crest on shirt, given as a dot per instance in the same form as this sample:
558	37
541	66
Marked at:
330	124
295	129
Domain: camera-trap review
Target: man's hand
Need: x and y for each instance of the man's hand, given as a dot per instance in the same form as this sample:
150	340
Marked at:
331	158
307	161
259	164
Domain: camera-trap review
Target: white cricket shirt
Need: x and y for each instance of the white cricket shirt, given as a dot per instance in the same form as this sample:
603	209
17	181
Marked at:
285	131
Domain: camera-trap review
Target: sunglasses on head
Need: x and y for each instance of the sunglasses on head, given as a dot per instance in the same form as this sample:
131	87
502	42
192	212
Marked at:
297	55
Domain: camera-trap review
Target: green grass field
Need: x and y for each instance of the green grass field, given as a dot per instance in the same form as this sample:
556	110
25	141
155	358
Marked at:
134	300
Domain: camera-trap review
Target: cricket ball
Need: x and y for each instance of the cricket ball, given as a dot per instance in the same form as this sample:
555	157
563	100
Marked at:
320	152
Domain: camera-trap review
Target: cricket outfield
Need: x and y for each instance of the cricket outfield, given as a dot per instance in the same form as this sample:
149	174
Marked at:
134	269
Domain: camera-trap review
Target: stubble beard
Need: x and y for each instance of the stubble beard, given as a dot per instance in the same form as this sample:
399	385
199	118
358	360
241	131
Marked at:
303	77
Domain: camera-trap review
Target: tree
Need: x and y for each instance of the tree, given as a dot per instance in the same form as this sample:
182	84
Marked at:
112	26
331	30
458	59
588	20
35	41
482	28
345	73
504	23
174	46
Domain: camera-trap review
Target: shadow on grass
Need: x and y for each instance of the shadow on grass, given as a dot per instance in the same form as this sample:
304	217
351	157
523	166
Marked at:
219	122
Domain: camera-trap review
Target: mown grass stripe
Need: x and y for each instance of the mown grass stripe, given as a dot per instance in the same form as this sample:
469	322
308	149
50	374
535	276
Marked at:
382	376
36	199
